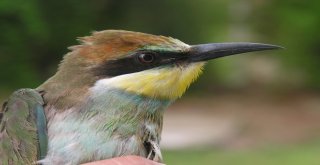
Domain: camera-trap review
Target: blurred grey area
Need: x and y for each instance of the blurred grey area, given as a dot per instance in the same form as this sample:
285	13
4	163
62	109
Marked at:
232	121
256	108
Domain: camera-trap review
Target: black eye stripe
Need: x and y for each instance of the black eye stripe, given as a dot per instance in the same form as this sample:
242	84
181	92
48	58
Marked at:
133	63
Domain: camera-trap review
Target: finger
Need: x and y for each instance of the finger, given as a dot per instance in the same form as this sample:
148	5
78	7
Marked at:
125	160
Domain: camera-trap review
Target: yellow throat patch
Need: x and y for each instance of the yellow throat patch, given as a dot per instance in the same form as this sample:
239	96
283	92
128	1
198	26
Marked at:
161	83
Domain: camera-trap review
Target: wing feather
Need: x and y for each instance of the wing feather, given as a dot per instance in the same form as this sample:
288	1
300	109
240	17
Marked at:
18	128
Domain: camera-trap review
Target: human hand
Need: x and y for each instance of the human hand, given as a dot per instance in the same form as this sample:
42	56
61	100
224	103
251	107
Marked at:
125	160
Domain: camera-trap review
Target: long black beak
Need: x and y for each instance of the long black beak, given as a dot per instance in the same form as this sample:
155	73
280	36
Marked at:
206	52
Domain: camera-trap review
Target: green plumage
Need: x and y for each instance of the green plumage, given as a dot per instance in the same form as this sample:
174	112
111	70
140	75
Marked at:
18	128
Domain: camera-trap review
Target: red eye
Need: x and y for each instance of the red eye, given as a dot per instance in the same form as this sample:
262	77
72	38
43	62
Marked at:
146	58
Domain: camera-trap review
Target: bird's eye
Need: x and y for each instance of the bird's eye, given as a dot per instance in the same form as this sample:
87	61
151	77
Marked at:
146	58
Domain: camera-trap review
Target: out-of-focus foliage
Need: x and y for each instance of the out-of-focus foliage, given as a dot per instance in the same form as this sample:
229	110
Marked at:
35	34
294	24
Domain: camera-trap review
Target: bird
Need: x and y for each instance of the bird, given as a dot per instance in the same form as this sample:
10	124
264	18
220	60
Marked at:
106	100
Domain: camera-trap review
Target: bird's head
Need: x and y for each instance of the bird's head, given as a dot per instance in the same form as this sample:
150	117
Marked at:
148	65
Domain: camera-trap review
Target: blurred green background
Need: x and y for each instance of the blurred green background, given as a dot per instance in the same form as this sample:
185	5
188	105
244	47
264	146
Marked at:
35	35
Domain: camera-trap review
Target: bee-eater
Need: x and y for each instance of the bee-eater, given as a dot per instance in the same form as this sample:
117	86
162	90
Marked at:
106	100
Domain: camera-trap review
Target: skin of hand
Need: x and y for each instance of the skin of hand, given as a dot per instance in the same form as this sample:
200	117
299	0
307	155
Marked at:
125	160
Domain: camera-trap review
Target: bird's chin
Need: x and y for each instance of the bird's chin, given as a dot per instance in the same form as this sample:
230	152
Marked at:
182	65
